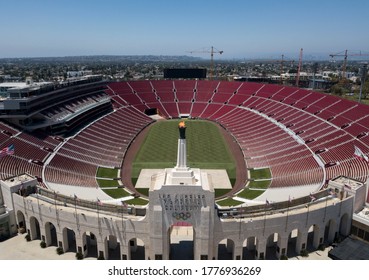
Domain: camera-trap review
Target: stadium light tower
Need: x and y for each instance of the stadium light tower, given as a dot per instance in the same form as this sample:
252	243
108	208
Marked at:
211	51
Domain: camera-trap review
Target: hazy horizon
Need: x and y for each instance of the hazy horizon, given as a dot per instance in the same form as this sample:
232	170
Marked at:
242	29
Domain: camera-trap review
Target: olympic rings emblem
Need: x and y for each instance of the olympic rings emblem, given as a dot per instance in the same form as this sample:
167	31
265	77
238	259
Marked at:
181	215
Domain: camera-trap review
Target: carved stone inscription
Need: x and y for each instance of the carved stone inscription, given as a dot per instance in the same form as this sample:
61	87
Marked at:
182	202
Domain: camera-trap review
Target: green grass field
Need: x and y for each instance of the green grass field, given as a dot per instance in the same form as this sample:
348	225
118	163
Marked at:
206	148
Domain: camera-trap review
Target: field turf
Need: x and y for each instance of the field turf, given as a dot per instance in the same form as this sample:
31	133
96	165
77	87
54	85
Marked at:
206	148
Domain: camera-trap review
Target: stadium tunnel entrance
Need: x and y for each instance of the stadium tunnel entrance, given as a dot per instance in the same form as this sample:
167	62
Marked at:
181	237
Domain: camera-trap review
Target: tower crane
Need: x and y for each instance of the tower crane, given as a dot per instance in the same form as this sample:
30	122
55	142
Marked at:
345	54
282	61
299	68
211	51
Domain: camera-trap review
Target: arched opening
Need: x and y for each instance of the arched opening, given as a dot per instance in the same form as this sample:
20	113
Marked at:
69	240
345	225
272	248
112	248
181	241
22	225
313	238
292	243
226	249
136	249
35	231
89	245
249	248
50	235
330	232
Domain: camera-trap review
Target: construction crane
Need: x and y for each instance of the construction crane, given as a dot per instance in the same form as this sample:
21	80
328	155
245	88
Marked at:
211	51
345	54
299	68
281	61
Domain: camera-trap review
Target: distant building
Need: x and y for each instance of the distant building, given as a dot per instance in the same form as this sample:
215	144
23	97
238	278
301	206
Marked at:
53	107
74	74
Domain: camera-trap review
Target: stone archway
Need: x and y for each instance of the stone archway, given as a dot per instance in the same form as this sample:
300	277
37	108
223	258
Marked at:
34	231
249	248
272	246
345	225
89	244
69	240
181	241
226	249
22	225
313	238
112	248
50	234
136	249
330	231
292	243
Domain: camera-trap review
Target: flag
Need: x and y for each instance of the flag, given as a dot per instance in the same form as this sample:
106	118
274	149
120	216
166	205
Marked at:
267	202
124	204
7	151
312	197
75	197
99	202
360	155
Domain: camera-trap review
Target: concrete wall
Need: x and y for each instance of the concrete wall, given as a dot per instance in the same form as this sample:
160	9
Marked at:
132	234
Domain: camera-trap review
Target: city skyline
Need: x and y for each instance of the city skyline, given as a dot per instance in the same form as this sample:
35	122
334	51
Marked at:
242	29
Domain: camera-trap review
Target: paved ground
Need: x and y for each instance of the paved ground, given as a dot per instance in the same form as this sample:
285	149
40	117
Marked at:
17	248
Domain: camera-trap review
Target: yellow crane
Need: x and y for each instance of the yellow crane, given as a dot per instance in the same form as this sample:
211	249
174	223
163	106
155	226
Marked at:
212	51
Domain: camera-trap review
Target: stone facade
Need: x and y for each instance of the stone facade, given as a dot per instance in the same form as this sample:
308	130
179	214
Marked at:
96	232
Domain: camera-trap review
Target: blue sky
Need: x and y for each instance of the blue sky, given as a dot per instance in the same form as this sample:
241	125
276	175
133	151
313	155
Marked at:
241	28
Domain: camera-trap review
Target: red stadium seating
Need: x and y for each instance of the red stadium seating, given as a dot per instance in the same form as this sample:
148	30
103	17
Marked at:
276	126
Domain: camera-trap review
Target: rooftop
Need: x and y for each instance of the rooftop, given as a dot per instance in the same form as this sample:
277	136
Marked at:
17	180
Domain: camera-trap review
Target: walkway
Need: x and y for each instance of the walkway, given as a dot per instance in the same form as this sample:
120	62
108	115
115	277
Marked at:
17	248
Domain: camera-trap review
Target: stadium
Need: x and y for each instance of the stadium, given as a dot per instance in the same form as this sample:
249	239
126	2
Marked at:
293	168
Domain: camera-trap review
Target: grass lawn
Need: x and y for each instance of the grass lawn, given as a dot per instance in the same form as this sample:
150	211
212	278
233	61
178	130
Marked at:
116	193
250	194
260	173
206	148
228	202
107	172
259	184
107	183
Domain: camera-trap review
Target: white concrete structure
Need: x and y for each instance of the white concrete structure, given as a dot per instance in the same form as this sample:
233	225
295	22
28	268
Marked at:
134	233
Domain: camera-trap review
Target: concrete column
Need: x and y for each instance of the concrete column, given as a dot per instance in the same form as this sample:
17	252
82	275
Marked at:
317	237
261	248
238	249
106	249
282	244
182	154
33	228
63	236
123	251
48	238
